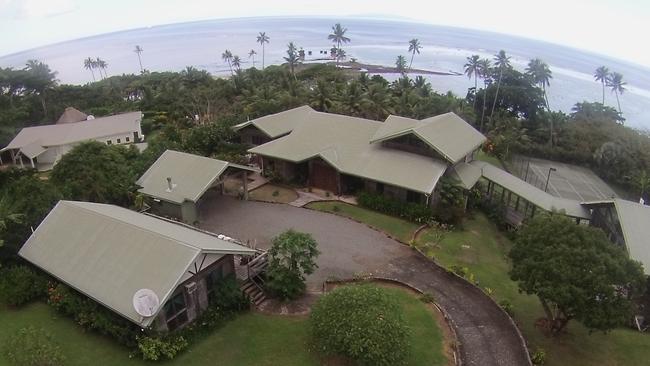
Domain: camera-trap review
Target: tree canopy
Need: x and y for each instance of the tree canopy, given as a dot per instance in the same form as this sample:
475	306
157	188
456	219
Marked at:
576	273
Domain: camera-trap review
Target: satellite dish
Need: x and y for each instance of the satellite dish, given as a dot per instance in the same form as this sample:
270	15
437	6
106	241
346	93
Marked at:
90	117
145	302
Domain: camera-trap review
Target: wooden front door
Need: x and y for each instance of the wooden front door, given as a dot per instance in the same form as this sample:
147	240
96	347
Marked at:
323	176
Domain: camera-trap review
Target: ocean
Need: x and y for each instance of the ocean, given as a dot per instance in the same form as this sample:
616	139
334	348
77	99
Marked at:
200	44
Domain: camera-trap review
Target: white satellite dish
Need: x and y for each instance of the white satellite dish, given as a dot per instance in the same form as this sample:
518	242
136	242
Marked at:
145	302
90	117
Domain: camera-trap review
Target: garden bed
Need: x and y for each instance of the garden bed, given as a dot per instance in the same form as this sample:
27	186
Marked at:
273	193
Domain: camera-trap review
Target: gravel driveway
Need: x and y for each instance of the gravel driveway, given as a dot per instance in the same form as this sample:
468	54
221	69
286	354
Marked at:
486	334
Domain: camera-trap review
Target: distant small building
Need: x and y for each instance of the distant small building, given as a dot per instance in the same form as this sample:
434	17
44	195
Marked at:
109	253
41	147
177	183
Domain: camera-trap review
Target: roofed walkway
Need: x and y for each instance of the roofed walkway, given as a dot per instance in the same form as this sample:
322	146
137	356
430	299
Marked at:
486	334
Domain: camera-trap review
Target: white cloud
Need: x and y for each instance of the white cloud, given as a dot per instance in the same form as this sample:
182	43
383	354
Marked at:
35	9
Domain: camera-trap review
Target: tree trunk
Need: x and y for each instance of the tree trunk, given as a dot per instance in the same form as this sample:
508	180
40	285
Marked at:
496	95
603	82
411	64
93	73
140	62
43	105
483	110
263	55
547	310
550	140
475	89
618	102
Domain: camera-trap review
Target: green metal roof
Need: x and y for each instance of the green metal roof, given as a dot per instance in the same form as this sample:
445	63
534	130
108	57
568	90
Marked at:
108	252
278	124
467	174
343	142
191	176
447	133
531	193
635	223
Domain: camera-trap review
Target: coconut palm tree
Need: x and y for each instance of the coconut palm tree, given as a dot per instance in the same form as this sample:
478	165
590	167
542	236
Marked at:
400	64
541	74
501	61
602	75
139	51
89	64
262	39
340	54
101	65
236	62
472	69
414	47
617	85
484	66
251	54
227	56
338	36
292	58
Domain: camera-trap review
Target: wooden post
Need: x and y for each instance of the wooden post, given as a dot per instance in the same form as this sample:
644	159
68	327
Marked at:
245	177
32	162
338	183
503	194
13	156
517	204
509	198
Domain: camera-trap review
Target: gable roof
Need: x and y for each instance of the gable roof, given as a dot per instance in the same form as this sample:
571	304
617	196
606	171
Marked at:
343	142
71	115
191	176
534	195
448	134
278	124
67	133
467	174
635	221
108	253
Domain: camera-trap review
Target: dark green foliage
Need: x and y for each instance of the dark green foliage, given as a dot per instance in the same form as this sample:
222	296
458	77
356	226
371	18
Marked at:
450	209
414	212
362	323
228	296
160	348
33	347
507	307
538	357
20	285
576	272
291	257
95	172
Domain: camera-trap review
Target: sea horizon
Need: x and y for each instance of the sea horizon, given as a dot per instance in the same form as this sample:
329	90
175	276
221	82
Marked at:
374	41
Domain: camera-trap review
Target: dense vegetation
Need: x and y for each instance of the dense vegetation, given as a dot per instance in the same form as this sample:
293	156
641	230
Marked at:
291	258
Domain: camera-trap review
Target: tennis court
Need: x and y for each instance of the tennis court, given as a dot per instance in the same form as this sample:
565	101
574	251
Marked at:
566	181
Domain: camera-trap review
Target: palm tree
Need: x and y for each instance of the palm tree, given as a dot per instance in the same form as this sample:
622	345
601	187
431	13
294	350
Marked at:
541	74
139	51
602	75
502	61
400	64
292	58
338	36
227	56
414	46
617	85
101	65
340	54
484	71
236	62
89	64
262	39
376	101
251	54
472	69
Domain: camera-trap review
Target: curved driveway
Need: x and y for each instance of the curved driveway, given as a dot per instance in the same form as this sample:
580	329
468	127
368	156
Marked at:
487	336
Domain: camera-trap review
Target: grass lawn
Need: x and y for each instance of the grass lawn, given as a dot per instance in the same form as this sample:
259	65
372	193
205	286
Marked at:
273	193
251	339
482	249
396	227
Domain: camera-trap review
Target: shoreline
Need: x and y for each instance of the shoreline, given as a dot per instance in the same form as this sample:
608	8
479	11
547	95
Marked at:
375	69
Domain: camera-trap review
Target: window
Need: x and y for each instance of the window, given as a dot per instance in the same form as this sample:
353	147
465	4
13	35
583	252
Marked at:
176	311
118	141
109	142
127	139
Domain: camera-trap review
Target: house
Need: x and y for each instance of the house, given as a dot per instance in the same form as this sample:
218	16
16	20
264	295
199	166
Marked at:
626	224
177	183
109	253
403	158
41	147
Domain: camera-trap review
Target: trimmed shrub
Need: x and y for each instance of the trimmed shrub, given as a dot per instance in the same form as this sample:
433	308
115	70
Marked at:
33	347
360	322
414	212
20	285
291	257
159	348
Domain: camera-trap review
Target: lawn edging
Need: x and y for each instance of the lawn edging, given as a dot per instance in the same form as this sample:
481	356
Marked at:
450	322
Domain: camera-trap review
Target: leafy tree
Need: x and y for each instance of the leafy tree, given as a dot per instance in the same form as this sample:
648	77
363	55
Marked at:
138	50
39	79
33	347
263	39
617	85
602	75
291	257
414	47
20	285
363	323
576	273
95	172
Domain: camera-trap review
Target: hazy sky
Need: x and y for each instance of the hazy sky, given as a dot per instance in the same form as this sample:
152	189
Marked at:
611	27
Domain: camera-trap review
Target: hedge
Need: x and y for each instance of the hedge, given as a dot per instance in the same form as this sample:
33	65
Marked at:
415	212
